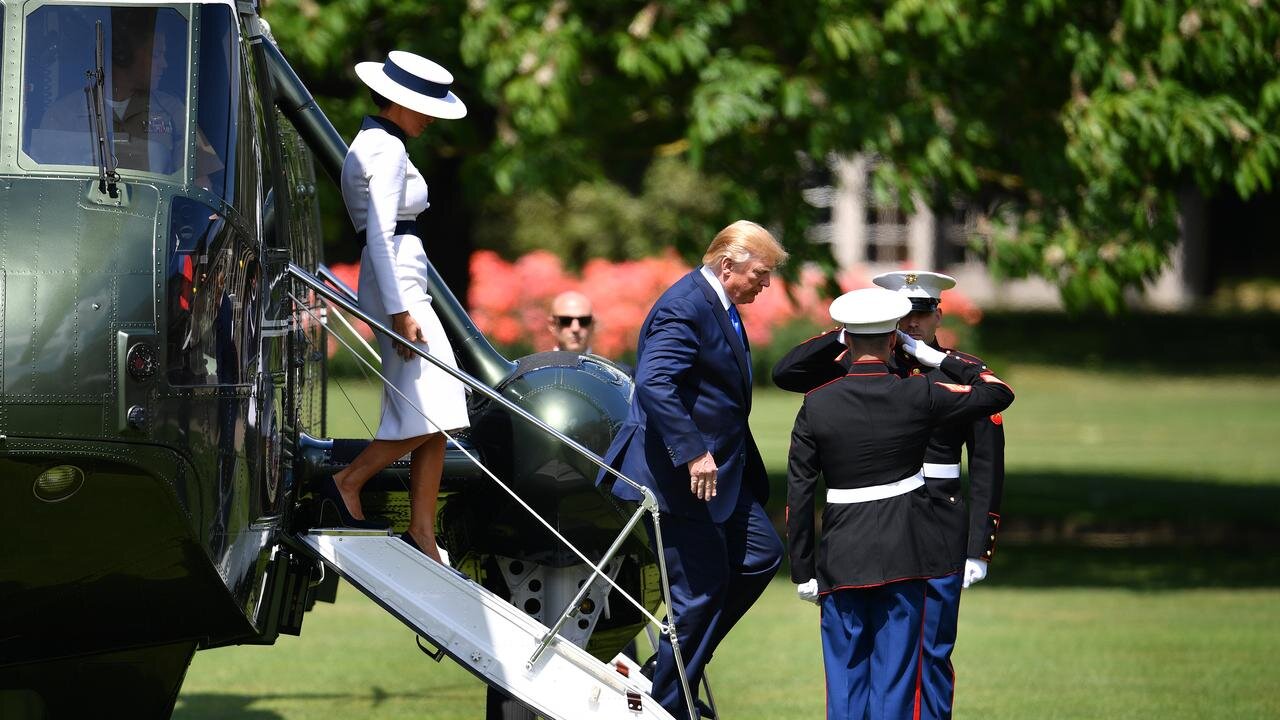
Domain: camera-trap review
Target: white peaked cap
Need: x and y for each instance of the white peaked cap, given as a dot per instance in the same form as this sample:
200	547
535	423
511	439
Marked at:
870	311
414	82
924	287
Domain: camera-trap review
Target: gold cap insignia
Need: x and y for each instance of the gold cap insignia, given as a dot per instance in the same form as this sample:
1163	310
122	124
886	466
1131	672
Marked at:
910	279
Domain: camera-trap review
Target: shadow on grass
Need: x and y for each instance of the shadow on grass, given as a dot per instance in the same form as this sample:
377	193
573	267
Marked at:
1129	530
214	706
208	706
1139	500
1127	502
1144	569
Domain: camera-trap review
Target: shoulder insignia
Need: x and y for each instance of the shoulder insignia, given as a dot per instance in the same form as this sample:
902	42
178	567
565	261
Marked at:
997	419
991	378
952	387
915	371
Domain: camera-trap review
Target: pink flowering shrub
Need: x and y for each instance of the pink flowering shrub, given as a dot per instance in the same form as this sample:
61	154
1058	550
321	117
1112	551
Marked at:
509	301
348	273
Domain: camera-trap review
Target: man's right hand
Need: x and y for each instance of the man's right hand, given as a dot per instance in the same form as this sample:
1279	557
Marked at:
702	477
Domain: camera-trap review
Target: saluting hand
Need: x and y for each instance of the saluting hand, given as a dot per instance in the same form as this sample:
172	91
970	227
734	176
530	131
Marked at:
921	350
702	477
404	325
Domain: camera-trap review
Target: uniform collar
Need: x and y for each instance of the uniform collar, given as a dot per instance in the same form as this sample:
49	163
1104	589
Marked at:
377	121
868	367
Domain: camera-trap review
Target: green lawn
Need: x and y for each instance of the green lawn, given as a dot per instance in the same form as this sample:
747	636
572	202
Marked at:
1213	429
1105	630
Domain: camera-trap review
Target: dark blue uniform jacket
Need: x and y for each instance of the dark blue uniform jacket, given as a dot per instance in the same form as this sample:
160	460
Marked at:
867	428
971	527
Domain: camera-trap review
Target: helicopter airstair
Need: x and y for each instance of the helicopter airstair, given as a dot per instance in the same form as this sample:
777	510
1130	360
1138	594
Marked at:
479	630
503	646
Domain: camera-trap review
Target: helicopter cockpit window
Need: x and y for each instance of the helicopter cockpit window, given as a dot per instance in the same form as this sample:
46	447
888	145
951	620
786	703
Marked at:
133	102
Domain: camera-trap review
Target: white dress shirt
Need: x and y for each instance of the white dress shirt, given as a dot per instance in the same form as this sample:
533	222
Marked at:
717	286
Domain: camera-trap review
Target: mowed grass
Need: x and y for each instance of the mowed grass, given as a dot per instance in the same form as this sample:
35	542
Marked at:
1213	428
1056	632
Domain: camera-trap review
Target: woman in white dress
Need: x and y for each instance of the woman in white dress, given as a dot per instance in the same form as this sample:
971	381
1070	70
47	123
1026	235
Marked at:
384	193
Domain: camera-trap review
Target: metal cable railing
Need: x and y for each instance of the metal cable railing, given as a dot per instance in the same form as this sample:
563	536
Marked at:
648	504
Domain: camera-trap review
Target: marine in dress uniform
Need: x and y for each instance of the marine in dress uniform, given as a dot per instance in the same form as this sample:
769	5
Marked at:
865	434
970	531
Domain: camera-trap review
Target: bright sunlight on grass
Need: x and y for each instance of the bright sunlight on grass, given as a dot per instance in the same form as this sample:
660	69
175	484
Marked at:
1057	632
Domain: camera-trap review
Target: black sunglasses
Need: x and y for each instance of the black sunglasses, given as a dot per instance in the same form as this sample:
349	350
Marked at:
566	320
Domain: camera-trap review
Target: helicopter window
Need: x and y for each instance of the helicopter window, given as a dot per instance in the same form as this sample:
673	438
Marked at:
143	88
219	99
254	179
211	301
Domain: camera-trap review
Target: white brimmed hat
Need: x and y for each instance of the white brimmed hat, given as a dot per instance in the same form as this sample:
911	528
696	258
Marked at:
924	288
414	82
870	311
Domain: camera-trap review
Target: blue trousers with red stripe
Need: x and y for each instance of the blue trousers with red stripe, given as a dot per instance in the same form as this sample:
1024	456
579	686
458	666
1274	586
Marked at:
871	651
941	618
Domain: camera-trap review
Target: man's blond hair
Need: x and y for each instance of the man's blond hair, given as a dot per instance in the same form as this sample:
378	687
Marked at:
742	241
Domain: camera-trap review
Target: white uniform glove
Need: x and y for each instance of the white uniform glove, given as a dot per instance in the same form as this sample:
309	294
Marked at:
974	571
921	351
808	591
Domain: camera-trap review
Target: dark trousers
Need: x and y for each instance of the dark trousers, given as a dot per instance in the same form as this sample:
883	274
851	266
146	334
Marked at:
716	571
941	617
871	647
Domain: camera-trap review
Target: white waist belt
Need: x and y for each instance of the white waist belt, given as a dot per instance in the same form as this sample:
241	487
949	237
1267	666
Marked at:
942	470
844	496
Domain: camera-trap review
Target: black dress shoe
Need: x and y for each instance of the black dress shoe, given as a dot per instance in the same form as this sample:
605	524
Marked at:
414	544
327	488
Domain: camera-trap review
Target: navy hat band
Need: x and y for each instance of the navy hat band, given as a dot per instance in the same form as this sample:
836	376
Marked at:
413	82
921	304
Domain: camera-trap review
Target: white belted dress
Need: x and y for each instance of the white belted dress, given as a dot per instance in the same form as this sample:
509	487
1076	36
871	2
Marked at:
384	193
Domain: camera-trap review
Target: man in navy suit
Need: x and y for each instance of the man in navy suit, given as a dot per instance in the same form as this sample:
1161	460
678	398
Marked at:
687	439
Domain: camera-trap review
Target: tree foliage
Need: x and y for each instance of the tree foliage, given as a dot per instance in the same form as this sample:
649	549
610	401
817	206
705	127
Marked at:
1074	124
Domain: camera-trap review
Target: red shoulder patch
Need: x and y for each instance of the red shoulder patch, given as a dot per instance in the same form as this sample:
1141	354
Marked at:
997	419
991	378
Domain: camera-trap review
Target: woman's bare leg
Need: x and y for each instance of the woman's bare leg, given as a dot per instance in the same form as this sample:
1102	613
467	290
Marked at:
376	456
425	469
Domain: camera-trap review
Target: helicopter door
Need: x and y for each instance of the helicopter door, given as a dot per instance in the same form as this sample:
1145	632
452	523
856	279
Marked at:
481	631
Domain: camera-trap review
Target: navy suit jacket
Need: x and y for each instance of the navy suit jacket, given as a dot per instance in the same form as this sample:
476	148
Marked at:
693	394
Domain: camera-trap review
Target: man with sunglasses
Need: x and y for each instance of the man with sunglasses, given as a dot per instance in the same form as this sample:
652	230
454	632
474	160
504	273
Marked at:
570	322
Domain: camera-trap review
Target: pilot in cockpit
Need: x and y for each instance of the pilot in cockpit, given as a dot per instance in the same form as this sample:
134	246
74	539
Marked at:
147	124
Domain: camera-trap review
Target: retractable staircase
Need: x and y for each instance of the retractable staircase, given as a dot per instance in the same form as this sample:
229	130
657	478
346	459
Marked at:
481	631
